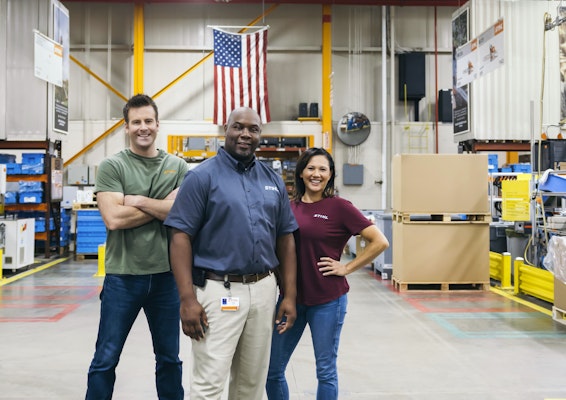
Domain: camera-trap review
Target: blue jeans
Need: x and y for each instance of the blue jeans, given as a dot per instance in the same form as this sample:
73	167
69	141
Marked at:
325	323
122	298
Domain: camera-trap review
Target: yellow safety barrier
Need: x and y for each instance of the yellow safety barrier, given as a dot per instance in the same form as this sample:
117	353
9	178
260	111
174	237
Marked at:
101	255
500	268
533	281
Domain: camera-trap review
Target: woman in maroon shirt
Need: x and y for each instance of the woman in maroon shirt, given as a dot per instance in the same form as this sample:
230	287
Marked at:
326	222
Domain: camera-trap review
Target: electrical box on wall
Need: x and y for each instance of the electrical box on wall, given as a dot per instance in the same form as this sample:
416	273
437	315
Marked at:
353	174
78	174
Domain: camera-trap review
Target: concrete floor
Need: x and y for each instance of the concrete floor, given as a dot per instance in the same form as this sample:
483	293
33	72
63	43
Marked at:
424	345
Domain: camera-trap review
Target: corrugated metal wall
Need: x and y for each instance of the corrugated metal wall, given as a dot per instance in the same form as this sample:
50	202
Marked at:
501	100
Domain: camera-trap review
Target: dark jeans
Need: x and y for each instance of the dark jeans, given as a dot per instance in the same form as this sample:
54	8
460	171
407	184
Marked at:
122	298
325	323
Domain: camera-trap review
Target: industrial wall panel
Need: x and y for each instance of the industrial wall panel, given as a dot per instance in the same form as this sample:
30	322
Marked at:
501	101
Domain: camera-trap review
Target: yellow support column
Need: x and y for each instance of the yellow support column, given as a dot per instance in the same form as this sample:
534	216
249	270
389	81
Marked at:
506	273
101	255
139	44
327	77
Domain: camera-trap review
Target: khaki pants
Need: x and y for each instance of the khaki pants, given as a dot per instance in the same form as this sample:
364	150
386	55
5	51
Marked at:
238	342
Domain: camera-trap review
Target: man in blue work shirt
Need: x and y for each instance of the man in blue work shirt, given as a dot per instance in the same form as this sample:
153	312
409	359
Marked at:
232	227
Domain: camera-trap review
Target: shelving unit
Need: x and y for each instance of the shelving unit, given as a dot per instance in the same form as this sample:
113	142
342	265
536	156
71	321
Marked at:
283	148
51	204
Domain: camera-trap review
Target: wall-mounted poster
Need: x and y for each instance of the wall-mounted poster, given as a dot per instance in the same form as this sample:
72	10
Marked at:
491	48
460	99
47	59
562	54
61	93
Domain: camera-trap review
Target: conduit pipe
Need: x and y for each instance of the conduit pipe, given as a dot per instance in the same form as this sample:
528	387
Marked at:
384	153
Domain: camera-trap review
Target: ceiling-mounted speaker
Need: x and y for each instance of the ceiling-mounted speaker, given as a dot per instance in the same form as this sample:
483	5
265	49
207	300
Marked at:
412	76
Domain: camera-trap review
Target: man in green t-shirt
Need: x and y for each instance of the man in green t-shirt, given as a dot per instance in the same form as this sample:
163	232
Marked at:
135	189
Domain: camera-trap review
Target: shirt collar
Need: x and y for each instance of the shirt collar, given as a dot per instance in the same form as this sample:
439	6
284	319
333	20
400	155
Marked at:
232	162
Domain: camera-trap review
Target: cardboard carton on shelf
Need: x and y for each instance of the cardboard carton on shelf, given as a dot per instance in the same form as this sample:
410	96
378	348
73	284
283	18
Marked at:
440	183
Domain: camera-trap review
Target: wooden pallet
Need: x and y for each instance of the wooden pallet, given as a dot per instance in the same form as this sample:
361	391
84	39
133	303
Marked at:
559	315
442	286
86	256
83	206
439	217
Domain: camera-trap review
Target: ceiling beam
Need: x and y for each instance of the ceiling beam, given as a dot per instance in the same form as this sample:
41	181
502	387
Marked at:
400	3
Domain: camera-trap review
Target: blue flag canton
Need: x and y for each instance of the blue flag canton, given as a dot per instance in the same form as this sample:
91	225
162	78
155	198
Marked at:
227	49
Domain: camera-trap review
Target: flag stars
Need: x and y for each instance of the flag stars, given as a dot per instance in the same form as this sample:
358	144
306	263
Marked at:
227	49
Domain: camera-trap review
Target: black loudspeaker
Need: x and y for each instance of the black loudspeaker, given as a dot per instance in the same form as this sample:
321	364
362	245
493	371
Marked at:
445	105
303	110
313	110
412	76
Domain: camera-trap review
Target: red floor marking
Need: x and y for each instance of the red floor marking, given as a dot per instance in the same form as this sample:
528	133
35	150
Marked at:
31	300
66	309
91	292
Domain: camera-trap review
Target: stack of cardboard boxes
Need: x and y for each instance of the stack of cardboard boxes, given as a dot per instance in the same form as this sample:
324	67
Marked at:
441	219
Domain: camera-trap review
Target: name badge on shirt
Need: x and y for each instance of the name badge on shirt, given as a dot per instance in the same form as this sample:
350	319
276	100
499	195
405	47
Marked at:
229	304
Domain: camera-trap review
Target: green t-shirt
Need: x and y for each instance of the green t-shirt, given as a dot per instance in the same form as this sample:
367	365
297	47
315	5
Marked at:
142	250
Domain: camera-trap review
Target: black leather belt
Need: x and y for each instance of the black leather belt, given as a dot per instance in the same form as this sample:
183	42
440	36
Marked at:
250	278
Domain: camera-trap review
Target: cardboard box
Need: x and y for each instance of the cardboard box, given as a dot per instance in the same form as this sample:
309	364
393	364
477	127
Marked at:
441	252
559	294
440	183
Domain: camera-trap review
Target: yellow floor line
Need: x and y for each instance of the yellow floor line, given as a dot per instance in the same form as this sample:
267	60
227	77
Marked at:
29	272
521	301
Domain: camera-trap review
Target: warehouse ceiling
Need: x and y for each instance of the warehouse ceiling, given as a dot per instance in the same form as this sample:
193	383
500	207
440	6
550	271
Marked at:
401	3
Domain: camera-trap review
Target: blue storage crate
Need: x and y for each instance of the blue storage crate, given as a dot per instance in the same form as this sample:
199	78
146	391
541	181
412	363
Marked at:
40	224
33	158
492	162
553	183
32	169
11	198
30	186
31	197
522	167
7	158
13	169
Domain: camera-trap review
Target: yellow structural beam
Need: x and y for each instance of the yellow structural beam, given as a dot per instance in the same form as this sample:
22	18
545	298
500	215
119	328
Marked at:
139	45
94	142
138	74
98	78
327	77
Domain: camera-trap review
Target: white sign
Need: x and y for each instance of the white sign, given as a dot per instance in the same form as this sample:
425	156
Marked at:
48	59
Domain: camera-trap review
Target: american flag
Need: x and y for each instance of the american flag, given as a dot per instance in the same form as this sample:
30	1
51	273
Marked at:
240	73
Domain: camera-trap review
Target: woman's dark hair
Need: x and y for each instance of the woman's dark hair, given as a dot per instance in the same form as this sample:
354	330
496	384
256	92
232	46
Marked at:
302	163
138	101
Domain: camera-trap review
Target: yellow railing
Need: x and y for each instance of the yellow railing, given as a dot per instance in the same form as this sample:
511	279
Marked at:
533	281
536	282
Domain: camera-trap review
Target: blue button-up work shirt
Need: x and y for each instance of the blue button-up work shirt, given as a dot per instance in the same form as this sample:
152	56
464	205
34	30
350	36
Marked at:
234	215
